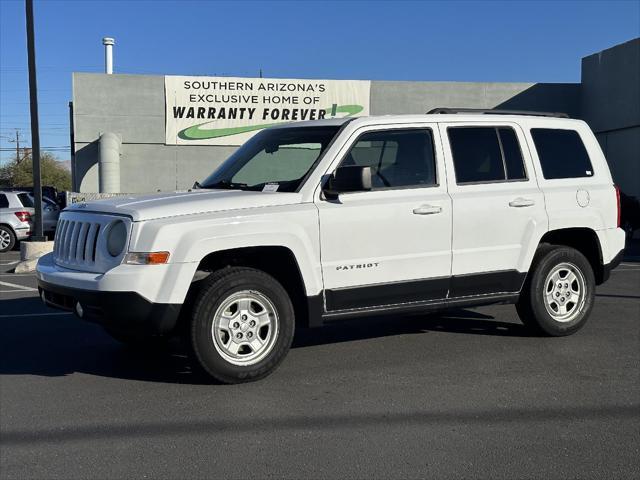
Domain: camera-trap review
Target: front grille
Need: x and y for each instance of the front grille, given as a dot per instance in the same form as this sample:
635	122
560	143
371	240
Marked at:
76	242
81	242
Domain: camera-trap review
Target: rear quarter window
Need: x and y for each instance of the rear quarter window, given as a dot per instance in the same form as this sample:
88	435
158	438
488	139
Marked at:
4	201
562	153
26	200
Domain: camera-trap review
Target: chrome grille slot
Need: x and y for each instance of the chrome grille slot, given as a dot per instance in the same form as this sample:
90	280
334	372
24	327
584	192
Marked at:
82	239
89	254
75	231
95	244
56	240
66	239
60	236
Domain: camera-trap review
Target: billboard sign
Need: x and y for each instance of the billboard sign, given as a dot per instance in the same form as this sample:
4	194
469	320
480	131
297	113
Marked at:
229	110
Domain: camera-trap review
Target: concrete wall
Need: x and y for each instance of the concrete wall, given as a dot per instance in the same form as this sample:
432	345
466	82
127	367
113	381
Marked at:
133	106
420	97
611	106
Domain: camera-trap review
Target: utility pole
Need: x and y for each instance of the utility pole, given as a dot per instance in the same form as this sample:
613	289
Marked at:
17	142
17	146
35	133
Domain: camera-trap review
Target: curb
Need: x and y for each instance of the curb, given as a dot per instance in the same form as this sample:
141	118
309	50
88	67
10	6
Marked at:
30	252
26	266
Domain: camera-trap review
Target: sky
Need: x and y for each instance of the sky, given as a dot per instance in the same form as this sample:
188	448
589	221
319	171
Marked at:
505	41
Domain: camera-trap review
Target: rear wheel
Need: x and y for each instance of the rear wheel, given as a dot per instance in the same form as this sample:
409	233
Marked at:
557	297
242	325
7	239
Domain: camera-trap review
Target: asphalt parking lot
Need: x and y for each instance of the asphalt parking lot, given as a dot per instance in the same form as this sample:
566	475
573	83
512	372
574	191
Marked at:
465	394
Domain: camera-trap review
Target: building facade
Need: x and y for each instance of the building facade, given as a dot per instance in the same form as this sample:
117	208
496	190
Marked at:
134	108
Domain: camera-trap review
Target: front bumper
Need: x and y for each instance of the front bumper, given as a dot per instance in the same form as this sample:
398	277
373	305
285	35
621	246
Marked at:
167	283
121	311
128	298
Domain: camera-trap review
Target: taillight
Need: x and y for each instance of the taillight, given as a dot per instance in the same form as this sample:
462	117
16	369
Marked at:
618	205
23	216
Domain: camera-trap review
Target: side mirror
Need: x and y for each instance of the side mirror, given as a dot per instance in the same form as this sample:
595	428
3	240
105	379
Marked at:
352	178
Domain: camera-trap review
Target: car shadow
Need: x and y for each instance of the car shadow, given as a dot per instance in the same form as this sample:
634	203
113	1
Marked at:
40	341
51	344
453	321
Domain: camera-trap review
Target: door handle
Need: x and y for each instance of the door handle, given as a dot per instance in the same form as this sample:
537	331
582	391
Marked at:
427	210
522	202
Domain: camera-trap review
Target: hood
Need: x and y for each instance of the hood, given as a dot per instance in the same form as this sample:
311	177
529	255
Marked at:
162	205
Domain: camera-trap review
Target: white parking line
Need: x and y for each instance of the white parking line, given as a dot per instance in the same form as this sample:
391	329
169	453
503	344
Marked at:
18	287
10	263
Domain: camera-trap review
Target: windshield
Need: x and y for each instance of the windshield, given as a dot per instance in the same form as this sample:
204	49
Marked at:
279	158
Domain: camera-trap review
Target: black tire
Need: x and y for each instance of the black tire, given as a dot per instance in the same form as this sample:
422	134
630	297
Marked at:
7	232
215	290
531	306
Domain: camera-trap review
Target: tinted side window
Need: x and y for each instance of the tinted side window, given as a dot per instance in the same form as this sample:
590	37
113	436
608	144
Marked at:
486	154
26	200
562	153
398	158
476	154
513	161
4	202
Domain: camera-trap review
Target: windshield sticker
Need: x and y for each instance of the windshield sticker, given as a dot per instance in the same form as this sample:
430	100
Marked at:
270	187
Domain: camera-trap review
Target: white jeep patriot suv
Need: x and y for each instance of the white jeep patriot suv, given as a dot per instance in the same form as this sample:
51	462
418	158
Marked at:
314	222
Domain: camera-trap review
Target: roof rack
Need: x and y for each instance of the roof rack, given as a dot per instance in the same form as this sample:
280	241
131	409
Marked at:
445	110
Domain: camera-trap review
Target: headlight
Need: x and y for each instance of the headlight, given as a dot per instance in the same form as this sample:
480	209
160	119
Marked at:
116	238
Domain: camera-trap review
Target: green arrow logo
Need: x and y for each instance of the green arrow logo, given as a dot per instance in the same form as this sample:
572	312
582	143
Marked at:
194	132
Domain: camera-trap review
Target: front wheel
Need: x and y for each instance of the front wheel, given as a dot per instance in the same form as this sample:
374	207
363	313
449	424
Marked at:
242	325
557	297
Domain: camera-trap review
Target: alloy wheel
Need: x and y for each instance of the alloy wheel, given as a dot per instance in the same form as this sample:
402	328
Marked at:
245	327
565	292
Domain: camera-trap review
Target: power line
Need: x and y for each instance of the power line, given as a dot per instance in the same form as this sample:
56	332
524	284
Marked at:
26	114
48	67
11	149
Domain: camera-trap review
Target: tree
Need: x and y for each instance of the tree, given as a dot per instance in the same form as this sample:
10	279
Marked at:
20	174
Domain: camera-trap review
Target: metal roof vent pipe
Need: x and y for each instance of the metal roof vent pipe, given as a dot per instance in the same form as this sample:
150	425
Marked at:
109	163
108	43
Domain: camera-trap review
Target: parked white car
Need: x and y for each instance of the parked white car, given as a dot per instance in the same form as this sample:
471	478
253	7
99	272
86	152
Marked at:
25	201
15	225
316	222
